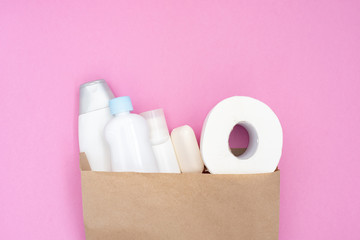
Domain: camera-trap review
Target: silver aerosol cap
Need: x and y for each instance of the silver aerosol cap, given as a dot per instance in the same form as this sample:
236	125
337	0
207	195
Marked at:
94	95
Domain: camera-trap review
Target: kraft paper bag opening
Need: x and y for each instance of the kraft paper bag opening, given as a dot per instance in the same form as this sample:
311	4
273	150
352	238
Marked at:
179	206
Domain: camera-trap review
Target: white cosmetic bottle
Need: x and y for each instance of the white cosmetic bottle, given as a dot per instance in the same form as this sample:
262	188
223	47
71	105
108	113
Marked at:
94	114
128	137
161	141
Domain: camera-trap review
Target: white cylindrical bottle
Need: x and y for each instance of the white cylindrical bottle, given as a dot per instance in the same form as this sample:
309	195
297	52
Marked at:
187	150
161	141
128	137
94	114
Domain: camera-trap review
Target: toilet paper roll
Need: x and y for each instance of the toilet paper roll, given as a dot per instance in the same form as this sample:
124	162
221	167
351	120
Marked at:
265	137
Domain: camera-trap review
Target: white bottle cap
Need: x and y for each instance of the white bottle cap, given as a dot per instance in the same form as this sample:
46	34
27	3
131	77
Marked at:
94	95
157	125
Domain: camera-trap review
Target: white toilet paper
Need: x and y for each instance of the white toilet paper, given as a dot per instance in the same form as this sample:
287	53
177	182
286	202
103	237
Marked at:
265	137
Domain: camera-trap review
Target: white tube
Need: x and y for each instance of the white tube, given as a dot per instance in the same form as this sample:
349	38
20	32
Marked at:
94	114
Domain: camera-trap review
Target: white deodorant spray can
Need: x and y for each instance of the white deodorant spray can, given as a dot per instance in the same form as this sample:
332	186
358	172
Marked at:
94	114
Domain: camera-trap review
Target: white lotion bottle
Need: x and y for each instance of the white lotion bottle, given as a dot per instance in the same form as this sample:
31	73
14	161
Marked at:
187	150
161	141
94	114
128	137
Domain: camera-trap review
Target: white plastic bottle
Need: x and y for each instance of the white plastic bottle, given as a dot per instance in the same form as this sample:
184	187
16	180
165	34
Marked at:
94	114
161	141
128	138
187	150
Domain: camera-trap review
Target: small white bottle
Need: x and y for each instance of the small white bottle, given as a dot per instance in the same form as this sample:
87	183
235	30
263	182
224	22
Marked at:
128	137
161	141
94	114
187	150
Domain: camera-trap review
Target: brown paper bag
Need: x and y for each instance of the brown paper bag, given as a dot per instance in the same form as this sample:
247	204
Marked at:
179	206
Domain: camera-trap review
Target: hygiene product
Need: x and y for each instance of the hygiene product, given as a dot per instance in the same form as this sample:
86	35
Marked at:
128	138
265	137
161	142
94	113
187	150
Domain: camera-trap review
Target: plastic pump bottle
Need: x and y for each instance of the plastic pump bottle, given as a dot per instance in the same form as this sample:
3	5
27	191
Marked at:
161	141
94	114
128	137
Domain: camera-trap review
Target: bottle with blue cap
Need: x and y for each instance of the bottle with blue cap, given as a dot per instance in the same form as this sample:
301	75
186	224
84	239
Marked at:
128	137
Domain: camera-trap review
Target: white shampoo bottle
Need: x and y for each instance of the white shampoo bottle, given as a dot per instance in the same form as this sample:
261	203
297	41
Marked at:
161	141
128	137
94	114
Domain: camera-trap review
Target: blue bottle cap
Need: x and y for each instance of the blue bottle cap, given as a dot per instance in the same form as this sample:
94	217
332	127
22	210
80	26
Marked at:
120	104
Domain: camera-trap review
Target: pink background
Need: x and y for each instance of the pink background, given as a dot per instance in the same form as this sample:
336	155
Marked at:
300	57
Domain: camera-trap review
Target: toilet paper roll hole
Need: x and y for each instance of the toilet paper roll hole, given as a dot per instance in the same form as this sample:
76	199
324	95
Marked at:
243	140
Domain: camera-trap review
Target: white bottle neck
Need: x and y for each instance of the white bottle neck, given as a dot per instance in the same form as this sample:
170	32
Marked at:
122	114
